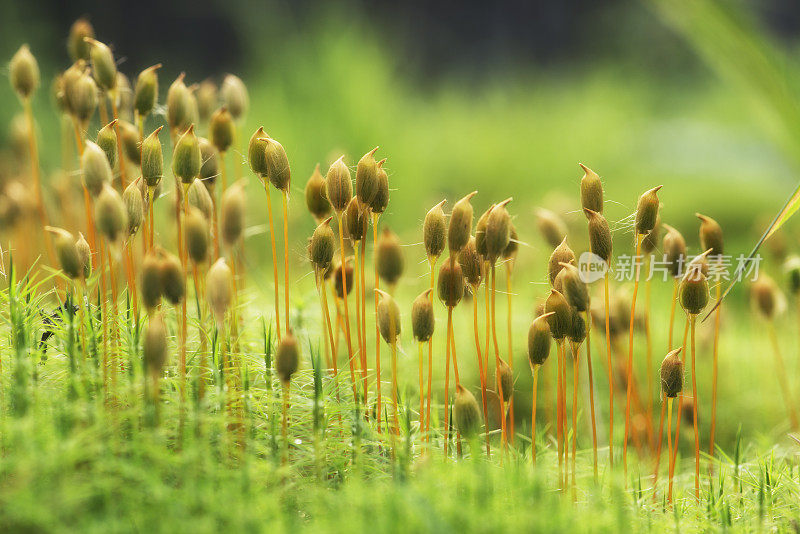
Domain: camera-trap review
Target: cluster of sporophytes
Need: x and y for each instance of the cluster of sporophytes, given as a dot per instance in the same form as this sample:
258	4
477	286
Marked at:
118	254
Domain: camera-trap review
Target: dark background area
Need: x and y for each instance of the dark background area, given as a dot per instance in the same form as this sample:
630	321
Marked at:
474	38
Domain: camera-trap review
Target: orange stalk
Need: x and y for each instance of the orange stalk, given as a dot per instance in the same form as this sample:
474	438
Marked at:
509	269
533	412
375	217
669	446
286	256
591	386
275	264
363	325
575	350
649	362
715	366
394	383
481	368
560	412
322	288
693	319
680	404
610	379
357	284
421	388
658	446
346	310
497	363
447	382
629	372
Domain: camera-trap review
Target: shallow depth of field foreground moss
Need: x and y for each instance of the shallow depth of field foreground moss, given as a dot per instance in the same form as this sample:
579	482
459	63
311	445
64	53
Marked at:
109	423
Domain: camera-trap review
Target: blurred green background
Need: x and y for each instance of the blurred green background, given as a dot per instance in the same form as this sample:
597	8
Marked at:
505	99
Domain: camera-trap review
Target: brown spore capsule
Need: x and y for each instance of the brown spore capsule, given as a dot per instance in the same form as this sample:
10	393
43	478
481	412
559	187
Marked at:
480	233
209	162
674	251
591	190
145	94
151	286
222	130
470	262
66	252
316	198
389	257
561	254
337	277
207	99
647	211
231	218
672	374
219	289
450	284
434	231
338	185
233	94
95	170
154	345
577	329
179	102
510	252
466	413
23	72
561	320
599	236
199	197
109	214
152	159
123	96
575	289
82	97
287	357
551	226
693	290
460	226
505	378
103	64
539	340
380	201
134	206
186	159
77	46
173	285
711	235
792	269
388	317
84	255
277	165
129	139
422	316
197	236
651	238
322	246
764	294
498	231
356	220
367	177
